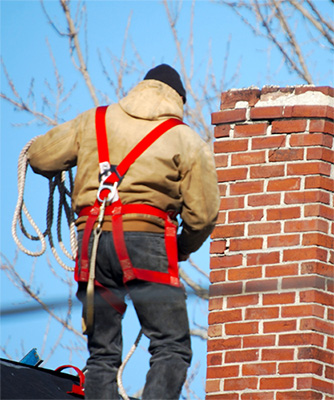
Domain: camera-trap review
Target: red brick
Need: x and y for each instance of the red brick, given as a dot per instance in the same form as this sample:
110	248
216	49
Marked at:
212	385
257	200
313	196
265	228
306	226
245	216
283	240
279	298
222	372
215	304
232	174
228	231
222	131
222	189
299	395
282	155
330	343
324	127
294	368
263	258
224	289
311	139
221	220
262	313
300	339
240	384
221	160
223	117
318	239
229	146
307	253
226	261
246	130
218	247
319	182
290	126
279	326
237	356
215	331
327	90
217	276
214	359
250	157
283	213
246	244
220	317
314	353
231	97
281	270
228	396
269	142
223	344
304	310
259	369
310	111
264	285
277	354
309	168
242	301
232	203
329	372
258	396
266	113
319	210
259	341
314	383
239	188
282	185
266	171
276	383
241	328
244	273
315	296
312	281
317	325
320	154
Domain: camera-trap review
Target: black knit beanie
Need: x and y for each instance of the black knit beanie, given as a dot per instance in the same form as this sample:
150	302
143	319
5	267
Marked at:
165	73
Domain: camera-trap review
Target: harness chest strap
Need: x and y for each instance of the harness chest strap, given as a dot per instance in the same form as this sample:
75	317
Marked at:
117	210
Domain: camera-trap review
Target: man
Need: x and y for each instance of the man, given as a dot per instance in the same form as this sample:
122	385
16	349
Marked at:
174	175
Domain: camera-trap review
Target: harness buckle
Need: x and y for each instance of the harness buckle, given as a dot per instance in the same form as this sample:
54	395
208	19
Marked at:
113	193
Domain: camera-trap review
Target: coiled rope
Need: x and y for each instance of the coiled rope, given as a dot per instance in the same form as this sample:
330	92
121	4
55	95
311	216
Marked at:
57	182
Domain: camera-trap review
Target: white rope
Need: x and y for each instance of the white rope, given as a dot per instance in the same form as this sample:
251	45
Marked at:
59	182
121	389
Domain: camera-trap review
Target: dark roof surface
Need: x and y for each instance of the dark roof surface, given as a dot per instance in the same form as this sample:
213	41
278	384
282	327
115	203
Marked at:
21	381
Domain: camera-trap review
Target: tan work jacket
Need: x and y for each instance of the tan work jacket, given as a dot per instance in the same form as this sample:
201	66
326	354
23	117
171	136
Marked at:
177	172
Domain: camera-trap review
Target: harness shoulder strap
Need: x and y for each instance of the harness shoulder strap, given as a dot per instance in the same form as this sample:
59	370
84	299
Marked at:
145	143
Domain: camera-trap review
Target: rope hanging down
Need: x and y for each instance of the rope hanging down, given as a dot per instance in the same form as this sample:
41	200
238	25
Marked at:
57	182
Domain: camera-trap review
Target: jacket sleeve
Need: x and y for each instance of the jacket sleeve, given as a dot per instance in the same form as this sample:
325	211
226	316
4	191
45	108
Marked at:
200	202
56	150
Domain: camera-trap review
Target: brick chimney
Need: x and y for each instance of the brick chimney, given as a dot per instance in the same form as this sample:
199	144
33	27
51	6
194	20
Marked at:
271	307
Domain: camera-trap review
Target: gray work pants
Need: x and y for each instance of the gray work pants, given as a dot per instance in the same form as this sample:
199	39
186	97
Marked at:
161	310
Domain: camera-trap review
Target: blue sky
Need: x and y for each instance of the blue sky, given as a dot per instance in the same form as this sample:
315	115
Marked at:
25	33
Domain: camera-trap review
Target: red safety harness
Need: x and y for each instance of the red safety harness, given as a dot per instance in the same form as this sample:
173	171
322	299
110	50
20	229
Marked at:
109	203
